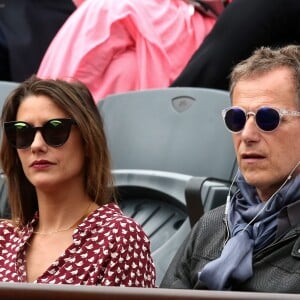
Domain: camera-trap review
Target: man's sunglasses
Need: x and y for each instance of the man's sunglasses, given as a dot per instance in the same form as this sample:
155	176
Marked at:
21	134
266	118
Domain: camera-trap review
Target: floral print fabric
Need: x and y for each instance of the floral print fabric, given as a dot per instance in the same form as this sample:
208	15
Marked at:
108	249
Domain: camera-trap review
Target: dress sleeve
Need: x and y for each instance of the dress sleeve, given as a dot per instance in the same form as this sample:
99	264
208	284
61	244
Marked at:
131	264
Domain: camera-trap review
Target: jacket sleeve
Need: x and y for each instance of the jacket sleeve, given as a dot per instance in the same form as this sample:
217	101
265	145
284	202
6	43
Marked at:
204	243
178	273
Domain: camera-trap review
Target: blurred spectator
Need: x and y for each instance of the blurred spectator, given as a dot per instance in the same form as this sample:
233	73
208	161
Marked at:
242	27
26	29
116	46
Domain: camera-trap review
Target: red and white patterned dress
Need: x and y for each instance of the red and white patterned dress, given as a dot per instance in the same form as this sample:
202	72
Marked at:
108	249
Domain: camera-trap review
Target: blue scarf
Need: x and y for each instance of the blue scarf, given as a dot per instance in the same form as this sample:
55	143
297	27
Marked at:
235	262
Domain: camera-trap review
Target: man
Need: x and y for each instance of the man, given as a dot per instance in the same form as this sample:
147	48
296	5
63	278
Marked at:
257	248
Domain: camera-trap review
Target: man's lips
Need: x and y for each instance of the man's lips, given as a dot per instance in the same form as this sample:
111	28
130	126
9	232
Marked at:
252	156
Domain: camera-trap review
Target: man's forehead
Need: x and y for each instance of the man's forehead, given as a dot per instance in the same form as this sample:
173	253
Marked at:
274	87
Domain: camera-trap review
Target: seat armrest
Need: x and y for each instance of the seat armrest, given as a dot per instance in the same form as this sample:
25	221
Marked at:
203	194
193	198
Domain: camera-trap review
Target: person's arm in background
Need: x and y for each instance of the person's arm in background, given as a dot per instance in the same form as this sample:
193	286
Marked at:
26	30
4	65
243	26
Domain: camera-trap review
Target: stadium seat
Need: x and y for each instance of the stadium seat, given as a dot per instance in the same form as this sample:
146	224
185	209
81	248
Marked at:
173	129
5	88
167	140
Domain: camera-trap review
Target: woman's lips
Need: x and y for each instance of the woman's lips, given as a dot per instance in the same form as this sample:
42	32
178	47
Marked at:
41	164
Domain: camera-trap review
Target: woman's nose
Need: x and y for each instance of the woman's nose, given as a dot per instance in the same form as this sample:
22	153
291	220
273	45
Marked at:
38	141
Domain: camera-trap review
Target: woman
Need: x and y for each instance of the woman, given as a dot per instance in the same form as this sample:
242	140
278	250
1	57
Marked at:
66	227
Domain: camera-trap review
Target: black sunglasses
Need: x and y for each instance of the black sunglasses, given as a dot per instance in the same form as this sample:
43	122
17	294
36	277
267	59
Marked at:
266	118
21	134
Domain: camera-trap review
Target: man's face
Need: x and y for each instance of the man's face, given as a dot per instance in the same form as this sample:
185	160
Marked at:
266	158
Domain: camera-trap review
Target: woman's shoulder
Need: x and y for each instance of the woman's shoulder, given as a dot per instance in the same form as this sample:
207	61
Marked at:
111	212
115	215
111	218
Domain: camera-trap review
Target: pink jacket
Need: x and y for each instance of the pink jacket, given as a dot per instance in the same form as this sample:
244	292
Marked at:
117	46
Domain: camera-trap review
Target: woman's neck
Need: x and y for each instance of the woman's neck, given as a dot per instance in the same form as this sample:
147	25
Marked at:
58	212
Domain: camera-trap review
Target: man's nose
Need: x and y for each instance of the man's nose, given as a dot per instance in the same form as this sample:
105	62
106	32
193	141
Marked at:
250	130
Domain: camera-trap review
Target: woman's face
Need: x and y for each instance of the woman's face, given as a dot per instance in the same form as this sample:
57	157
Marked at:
50	168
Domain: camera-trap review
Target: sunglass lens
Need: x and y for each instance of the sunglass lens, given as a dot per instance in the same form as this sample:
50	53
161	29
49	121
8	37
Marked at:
235	119
19	134
267	118
57	131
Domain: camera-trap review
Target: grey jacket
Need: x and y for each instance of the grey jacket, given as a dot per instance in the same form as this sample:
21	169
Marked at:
276	268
